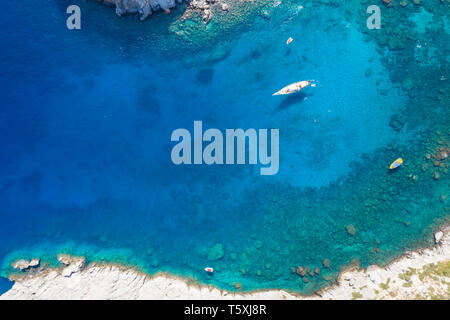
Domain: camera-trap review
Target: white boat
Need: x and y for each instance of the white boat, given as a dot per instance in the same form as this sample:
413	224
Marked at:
209	270
295	87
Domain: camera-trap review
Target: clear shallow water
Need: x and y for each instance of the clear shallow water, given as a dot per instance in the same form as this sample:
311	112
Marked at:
85	159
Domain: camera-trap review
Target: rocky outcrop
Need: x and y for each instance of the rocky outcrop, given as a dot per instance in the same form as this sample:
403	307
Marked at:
23	264
73	265
142	7
146	7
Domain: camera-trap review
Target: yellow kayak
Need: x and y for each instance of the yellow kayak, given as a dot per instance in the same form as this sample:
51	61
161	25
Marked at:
397	163
295	87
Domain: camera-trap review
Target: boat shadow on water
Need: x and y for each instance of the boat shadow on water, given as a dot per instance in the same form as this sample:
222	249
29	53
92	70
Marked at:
296	98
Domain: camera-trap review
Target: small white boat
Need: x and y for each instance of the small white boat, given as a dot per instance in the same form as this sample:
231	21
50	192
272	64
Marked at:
295	87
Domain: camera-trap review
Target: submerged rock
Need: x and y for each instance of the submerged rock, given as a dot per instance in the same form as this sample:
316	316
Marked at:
217	252
154	262
300	271
351	230
397	122
326	263
233	256
368	73
258	244
408	84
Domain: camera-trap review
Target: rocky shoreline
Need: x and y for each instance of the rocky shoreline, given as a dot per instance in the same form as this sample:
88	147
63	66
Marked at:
423	274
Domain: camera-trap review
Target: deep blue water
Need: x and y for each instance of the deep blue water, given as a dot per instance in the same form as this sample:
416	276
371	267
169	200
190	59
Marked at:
86	118
5	285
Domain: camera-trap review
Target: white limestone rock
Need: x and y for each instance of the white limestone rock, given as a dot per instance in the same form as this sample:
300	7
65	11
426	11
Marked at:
23	264
64	259
76	265
438	236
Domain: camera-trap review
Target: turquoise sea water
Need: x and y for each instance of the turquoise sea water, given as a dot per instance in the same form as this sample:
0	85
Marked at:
86	118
